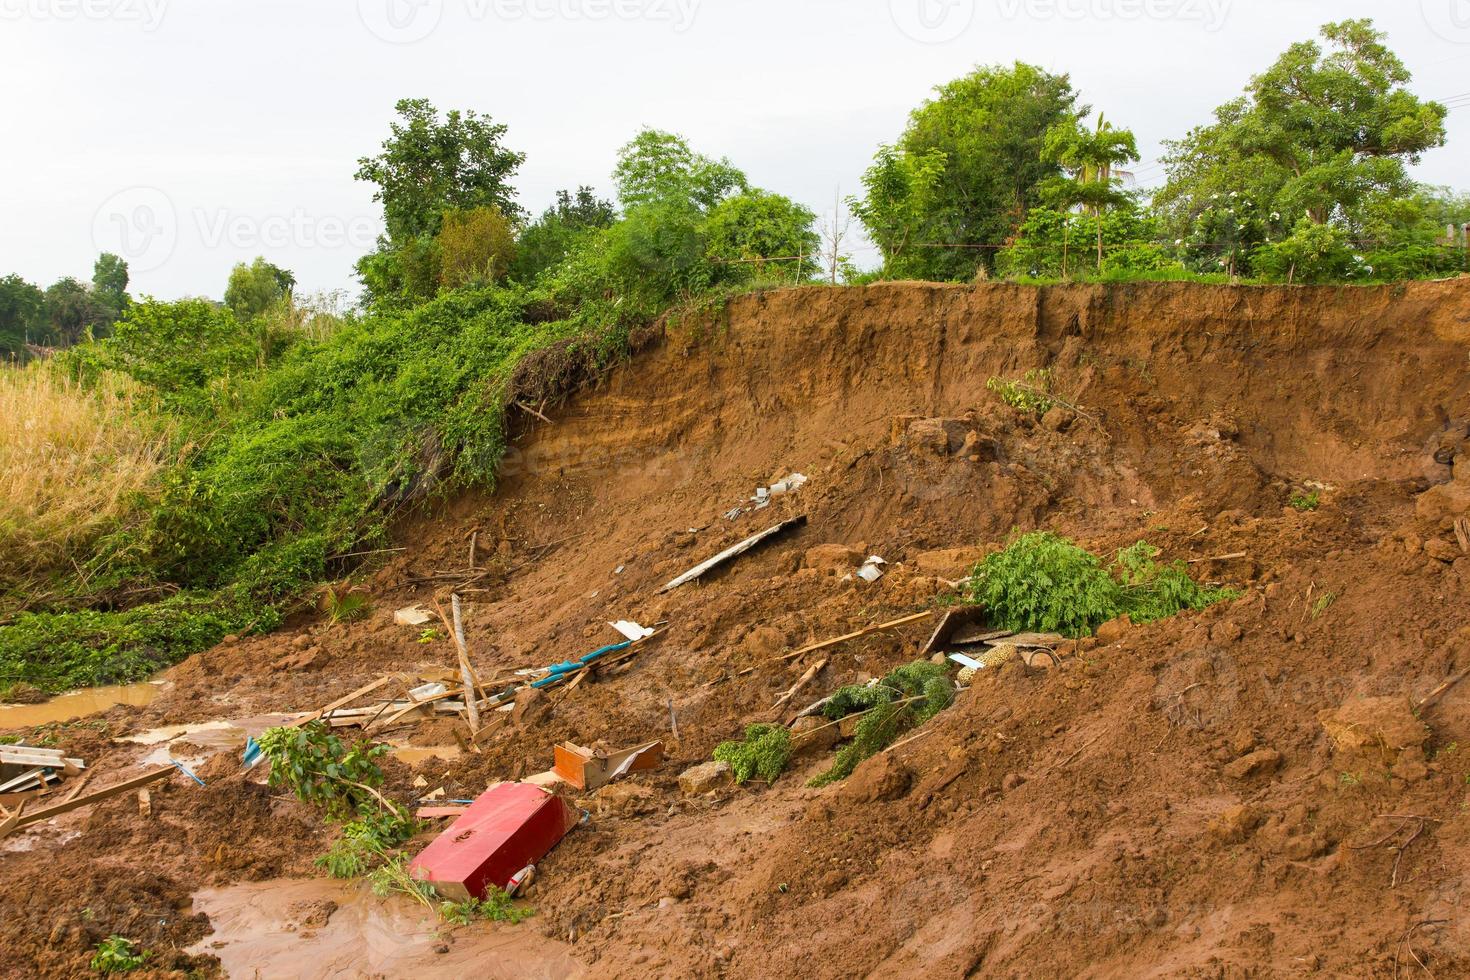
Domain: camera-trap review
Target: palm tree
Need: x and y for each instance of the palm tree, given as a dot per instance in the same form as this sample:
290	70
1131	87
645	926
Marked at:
1090	159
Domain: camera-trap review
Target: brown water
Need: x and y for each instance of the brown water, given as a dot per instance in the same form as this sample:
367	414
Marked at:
268	930
78	704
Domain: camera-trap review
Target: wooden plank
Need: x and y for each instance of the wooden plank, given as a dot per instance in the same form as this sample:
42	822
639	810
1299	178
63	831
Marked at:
825	644
118	789
363	691
734	552
17	784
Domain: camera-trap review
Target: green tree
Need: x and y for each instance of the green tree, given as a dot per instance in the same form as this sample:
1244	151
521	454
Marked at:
110	284
756	225
255	288
183	350
1323	134
1090	159
561	229
965	172
71	311
428	167
658	165
22	313
475	246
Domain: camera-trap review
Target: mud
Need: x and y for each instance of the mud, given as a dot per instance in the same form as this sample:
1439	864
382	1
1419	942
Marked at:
1168	803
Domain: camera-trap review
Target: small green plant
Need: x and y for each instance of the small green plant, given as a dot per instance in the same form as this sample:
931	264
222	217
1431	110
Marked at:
345	605
115	954
1046	583
1306	501
366	842
1350	779
392	877
319	768
429	636
765	752
906	698
1032	394
1328	600
496	906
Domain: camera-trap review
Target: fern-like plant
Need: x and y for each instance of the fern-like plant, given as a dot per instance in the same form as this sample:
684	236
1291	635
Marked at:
765	752
906	698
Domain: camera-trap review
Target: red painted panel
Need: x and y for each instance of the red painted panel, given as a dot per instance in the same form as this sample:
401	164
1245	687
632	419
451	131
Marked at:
507	828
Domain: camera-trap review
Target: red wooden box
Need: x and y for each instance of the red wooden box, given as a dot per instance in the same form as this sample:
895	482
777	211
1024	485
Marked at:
507	828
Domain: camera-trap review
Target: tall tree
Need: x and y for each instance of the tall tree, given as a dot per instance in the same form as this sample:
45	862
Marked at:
429	166
1323	134
22	314
71	311
255	288
1091	158
966	170
660	166
560	229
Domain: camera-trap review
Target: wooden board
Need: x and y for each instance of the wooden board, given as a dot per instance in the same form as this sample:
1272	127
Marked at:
126	786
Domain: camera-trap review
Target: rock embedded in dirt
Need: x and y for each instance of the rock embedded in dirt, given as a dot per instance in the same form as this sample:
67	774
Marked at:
1262	762
311	658
1114	630
832	558
1441	550
1383	725
1058	419
763	643
530	707
1445	500
1236	824
878	780
706	778
813	734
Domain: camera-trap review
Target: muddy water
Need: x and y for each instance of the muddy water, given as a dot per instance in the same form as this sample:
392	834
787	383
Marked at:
275	929
78	704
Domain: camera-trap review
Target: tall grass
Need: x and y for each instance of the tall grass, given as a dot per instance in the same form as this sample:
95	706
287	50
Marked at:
74	464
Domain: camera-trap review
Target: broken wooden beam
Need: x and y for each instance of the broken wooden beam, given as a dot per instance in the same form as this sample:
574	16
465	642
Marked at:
118	789
825	644
736	551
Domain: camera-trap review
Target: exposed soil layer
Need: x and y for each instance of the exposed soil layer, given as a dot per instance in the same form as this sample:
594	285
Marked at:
1245	791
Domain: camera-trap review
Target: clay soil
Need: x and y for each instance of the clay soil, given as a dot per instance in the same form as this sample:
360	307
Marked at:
1171	801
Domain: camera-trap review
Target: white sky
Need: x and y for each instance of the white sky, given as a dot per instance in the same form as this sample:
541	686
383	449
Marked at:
193	134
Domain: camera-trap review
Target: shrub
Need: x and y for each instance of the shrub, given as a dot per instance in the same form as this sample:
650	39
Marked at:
475	246
319	768
1045	583
1031	395
115	955
906	698
765	752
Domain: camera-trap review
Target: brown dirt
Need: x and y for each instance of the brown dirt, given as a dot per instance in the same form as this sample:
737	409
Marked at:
1090	820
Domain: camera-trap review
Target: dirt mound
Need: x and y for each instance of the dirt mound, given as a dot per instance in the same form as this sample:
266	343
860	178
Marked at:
1169	803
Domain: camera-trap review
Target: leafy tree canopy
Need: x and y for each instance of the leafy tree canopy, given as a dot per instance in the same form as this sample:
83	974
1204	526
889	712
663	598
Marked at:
660	166
1323	134
257	287
965	172
429	166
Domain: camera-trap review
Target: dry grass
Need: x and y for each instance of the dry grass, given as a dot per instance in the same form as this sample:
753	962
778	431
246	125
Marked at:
73	462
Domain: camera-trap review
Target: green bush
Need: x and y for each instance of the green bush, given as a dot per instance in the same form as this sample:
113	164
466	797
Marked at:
765	752
906	698
115	955
1045	583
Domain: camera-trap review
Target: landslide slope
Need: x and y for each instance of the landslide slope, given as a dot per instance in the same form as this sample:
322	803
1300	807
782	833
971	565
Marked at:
1167	803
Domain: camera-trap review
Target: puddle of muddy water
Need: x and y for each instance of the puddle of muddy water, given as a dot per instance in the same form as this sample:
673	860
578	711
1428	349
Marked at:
276	929
78	704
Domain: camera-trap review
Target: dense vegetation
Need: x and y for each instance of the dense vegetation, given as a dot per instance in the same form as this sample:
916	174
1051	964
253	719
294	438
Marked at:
196	468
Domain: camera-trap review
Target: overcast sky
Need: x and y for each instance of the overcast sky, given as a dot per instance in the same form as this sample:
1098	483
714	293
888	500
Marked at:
189	135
